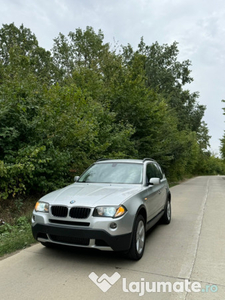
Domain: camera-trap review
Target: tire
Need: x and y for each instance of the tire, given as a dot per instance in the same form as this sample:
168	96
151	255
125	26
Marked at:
136	250
166	218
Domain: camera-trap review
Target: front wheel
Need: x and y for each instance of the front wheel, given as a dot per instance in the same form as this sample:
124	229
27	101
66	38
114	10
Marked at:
138	240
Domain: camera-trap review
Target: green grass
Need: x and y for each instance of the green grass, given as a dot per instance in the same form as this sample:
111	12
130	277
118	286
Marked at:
17	236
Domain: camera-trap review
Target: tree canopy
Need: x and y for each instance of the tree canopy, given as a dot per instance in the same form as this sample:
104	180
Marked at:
60	110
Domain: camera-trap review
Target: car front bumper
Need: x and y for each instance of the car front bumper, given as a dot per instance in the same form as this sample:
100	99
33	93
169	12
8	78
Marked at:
81	237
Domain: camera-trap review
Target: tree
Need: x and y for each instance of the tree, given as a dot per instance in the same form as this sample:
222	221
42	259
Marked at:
20	54
222	148
79	49
62	110
167	76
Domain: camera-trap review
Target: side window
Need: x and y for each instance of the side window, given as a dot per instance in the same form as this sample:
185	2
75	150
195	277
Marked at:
151	171
159	172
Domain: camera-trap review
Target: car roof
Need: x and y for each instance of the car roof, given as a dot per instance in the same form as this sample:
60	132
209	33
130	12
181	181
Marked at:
137	161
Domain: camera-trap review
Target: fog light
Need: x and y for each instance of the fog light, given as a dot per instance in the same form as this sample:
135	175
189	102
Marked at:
113	225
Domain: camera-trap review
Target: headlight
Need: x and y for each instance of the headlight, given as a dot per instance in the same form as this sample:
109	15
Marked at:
109	211
42	207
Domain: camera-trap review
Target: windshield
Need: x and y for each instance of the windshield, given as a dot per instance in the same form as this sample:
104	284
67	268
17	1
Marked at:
113	173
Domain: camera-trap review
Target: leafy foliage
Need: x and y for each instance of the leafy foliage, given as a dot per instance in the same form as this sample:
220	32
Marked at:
222	149
62	110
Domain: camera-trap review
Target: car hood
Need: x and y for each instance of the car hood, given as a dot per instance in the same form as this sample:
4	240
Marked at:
91	195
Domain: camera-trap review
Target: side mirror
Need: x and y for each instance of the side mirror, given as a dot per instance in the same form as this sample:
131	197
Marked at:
76	178
154	181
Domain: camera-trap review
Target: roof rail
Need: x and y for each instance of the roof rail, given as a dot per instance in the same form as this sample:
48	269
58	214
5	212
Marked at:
151	159
100	159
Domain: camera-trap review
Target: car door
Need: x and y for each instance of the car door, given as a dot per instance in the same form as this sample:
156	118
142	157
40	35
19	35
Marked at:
153	197
163	188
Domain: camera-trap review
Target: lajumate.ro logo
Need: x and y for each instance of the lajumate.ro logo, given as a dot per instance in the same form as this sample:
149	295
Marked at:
105	282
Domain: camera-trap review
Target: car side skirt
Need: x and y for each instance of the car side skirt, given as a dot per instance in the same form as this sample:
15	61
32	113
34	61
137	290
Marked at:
153	221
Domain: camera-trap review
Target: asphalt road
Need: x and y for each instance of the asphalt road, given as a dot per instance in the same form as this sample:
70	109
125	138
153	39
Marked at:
186	259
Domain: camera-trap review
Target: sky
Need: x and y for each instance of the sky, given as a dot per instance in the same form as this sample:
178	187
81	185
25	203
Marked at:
197	25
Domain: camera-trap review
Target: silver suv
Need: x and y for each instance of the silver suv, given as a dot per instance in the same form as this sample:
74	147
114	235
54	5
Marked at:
110	207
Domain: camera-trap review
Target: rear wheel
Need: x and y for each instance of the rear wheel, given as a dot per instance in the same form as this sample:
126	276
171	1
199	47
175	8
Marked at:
166	218
138	241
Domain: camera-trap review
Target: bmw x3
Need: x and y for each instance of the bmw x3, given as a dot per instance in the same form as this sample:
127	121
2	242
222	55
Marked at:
109	207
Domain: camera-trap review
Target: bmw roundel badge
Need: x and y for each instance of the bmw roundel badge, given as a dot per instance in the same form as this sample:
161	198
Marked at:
72	201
